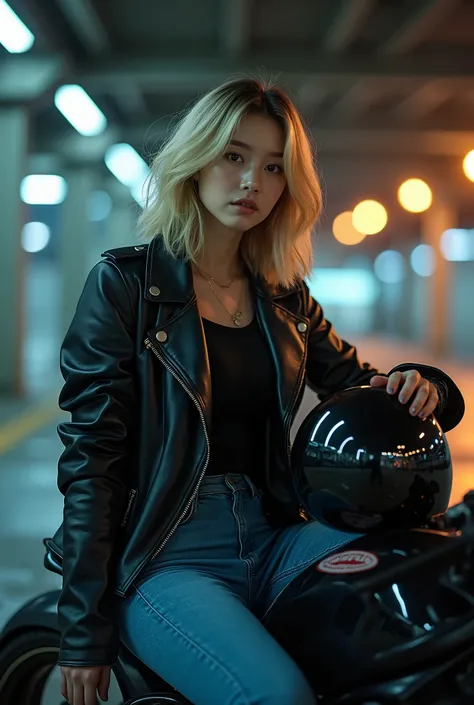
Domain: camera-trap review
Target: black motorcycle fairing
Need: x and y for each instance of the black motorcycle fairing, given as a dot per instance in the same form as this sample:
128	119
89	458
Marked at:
430	686
344	636
132	675
39	612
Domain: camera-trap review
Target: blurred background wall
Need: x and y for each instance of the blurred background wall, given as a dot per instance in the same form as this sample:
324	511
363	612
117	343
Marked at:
88	89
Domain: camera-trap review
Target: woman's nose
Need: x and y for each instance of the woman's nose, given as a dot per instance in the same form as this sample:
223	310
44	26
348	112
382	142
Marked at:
249	181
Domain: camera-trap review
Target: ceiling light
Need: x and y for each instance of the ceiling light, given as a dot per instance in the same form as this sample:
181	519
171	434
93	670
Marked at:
14	34
80	110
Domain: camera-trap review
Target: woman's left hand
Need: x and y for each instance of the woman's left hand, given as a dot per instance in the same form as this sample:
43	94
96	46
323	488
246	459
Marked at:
409	382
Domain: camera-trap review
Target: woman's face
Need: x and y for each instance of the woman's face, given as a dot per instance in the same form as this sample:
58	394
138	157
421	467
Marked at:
250	168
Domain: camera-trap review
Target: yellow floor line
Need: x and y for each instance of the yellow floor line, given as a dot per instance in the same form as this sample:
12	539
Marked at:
27	423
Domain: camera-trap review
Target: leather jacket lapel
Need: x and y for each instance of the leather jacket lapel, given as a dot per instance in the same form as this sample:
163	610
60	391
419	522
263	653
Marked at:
178	336
286	335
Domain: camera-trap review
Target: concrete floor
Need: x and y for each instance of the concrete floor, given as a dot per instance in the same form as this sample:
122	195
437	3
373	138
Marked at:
31	506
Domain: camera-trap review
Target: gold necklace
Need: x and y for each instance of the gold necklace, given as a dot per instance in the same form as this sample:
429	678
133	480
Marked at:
237	315
207	276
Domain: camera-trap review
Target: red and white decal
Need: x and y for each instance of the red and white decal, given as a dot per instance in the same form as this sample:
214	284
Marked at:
348	562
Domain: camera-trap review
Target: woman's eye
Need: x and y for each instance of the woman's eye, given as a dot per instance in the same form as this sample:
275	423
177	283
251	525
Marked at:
275	169
233	156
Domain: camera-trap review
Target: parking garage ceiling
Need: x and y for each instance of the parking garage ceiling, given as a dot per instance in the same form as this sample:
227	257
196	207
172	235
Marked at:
372	77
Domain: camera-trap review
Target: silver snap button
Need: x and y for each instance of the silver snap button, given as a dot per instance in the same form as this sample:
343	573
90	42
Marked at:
161	336
302	327
138	249
154	291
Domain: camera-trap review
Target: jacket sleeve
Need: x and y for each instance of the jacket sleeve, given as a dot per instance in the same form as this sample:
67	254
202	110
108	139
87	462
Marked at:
97	360
333	364
451	407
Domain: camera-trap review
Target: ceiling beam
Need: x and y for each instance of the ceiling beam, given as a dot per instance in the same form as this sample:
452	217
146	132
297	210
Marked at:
86	24
26	77
91	150
310	96
343	142
131	102
191	76
441	143
349	19
329	138
428	98
357	99
235	31
421	19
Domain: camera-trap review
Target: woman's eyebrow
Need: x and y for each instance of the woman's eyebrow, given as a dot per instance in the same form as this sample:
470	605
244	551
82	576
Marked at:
237	143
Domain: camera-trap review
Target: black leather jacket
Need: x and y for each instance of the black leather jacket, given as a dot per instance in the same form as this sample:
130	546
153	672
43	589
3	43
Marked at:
137	384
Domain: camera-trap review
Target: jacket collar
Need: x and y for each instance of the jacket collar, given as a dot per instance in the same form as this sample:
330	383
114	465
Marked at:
173	278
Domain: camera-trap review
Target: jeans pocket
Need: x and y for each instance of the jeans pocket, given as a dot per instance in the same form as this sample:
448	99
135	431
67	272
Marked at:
191	511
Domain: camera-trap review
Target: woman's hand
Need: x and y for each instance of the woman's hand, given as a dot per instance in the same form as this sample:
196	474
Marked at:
79	684
426	399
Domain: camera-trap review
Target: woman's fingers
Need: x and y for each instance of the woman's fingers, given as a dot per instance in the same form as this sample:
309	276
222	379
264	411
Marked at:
104	683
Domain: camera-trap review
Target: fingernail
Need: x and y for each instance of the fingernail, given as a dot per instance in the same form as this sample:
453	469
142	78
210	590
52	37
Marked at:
390	390
402	398
413	410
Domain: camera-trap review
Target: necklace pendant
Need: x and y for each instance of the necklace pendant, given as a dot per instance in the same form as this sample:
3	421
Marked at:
237	318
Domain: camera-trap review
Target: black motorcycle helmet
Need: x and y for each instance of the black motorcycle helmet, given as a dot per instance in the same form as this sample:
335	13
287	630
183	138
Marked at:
362	463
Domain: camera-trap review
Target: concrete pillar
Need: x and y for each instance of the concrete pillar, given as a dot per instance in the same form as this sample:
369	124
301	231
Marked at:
75	239
404	322
437	219
14	129
121	223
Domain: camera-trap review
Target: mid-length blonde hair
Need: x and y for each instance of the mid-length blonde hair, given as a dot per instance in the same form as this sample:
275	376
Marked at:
279	249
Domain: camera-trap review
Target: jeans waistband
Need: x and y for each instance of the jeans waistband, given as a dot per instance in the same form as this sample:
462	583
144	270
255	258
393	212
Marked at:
228	484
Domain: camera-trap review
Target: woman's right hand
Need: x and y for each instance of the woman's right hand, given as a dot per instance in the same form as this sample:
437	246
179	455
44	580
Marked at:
79	684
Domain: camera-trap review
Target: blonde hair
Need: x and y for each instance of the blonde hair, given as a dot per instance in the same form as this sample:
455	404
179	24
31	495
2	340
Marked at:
279	249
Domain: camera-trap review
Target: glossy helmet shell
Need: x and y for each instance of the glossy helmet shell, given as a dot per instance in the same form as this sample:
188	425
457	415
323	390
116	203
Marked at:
362	463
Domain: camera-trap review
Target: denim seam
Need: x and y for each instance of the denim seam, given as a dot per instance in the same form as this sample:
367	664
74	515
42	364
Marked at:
286	573
262	618
241	528
296	568
192	642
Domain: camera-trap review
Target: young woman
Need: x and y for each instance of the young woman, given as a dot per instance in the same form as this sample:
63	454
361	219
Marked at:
184	367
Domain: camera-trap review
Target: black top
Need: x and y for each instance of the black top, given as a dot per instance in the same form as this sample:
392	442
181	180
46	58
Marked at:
243	393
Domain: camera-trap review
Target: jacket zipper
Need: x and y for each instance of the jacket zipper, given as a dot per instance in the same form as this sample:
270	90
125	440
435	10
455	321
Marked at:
289	420
131	496
151	347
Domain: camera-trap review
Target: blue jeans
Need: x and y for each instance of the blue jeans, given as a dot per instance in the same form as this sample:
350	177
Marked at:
195	614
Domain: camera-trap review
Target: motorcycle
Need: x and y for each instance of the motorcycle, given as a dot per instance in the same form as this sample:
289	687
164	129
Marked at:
388	620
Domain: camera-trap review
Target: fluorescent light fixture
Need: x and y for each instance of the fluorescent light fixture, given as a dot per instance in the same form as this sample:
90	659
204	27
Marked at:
43	189
80	110
126	165
99	206
423	261
390	267
139	193
35	236
457	245
347	287
14	34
